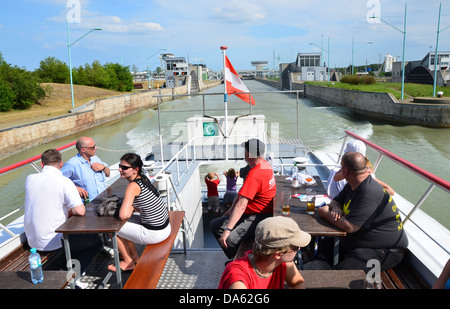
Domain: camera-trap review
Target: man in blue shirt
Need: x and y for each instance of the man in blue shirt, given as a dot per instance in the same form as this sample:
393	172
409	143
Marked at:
86	170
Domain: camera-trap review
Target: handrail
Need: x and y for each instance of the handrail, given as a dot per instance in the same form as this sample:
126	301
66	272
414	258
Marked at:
30	160
418	170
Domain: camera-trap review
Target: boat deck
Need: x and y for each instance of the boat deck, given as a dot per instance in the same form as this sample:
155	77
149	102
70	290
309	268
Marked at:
182	271
188	270
199	268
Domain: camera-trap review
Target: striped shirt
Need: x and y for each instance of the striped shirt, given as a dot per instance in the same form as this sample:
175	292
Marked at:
153	211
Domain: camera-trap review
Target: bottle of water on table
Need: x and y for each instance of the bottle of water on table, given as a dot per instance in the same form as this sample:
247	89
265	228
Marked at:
294	175
294	170
35	267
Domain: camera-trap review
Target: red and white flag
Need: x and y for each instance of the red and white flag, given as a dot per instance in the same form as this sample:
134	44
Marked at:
234	83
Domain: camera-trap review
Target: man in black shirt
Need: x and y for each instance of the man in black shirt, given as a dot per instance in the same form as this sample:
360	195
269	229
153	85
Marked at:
369	216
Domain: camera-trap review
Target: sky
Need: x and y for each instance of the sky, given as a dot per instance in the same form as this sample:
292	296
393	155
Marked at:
253	30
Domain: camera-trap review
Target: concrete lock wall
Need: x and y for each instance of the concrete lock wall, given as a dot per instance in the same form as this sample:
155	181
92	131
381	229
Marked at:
94	113
377	106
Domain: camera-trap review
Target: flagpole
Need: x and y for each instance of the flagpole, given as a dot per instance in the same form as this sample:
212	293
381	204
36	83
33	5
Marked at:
225	99
225	94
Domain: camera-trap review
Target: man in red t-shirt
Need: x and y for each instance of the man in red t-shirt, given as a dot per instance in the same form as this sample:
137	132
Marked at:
253	204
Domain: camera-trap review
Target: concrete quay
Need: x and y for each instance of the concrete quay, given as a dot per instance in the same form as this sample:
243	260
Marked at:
427	112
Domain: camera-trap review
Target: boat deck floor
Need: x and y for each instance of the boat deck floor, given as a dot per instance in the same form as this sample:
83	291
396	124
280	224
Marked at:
182	271
199	268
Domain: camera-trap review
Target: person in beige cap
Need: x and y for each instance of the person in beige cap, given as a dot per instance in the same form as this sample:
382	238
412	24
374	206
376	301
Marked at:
270	264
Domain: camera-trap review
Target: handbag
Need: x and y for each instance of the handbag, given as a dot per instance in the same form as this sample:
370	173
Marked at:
109	206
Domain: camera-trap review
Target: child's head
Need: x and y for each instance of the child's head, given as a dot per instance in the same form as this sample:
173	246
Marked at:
231	173
210	175
278	234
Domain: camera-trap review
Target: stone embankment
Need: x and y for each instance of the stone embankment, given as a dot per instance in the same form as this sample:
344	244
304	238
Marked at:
92	114
427	112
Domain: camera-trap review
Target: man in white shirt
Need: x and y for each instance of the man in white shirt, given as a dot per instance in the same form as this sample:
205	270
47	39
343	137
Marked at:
49	197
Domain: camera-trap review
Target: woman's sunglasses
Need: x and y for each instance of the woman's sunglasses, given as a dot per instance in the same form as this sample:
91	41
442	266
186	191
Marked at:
124	167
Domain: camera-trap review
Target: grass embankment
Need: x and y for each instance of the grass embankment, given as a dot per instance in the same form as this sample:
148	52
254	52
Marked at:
411	90
57	103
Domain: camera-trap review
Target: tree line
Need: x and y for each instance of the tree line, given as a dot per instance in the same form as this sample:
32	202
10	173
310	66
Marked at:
20	89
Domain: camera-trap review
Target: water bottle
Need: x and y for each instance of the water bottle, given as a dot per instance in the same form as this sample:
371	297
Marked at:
294	175
294	170
86	200
35	267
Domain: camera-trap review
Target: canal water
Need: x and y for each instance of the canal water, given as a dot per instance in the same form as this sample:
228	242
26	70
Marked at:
321	128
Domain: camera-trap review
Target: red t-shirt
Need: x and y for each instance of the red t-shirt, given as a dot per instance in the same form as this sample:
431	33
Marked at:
260	188
242	270
212	186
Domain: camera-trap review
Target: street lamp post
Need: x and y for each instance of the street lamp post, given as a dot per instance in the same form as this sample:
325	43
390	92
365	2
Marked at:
148	67
328	53
70	57
404	46
436	52
353	51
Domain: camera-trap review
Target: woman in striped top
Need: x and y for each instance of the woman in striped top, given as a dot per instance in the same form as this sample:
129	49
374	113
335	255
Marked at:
151	225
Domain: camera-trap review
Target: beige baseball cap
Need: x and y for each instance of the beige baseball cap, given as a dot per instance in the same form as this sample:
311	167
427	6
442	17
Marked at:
279	231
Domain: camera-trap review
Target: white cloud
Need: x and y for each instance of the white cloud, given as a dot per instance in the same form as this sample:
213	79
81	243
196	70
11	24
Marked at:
113	24
238	12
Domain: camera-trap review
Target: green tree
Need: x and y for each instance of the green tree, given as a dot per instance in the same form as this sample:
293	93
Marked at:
99	76
52	70
19	88
79	76
120	77
6	96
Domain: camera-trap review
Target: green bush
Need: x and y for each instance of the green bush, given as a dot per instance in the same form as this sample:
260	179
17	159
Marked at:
355	79
19	89
111	76
369	80
52	70
6	96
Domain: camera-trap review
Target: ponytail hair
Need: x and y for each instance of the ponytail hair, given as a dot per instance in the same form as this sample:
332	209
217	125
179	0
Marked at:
134	160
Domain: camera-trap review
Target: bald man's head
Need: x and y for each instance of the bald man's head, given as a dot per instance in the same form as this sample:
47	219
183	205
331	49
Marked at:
354	162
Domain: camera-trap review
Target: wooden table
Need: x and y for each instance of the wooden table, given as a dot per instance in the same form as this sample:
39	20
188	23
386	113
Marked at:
333	279
22	280
312	224
91	223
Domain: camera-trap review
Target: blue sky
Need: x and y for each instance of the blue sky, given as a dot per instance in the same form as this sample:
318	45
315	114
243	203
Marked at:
31	30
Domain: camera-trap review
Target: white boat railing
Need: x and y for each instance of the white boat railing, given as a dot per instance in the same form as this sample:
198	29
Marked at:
185	150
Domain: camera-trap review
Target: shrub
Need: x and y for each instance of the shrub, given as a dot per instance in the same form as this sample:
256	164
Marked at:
111	76
369	80
52	70
6	96
355	79
19	89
